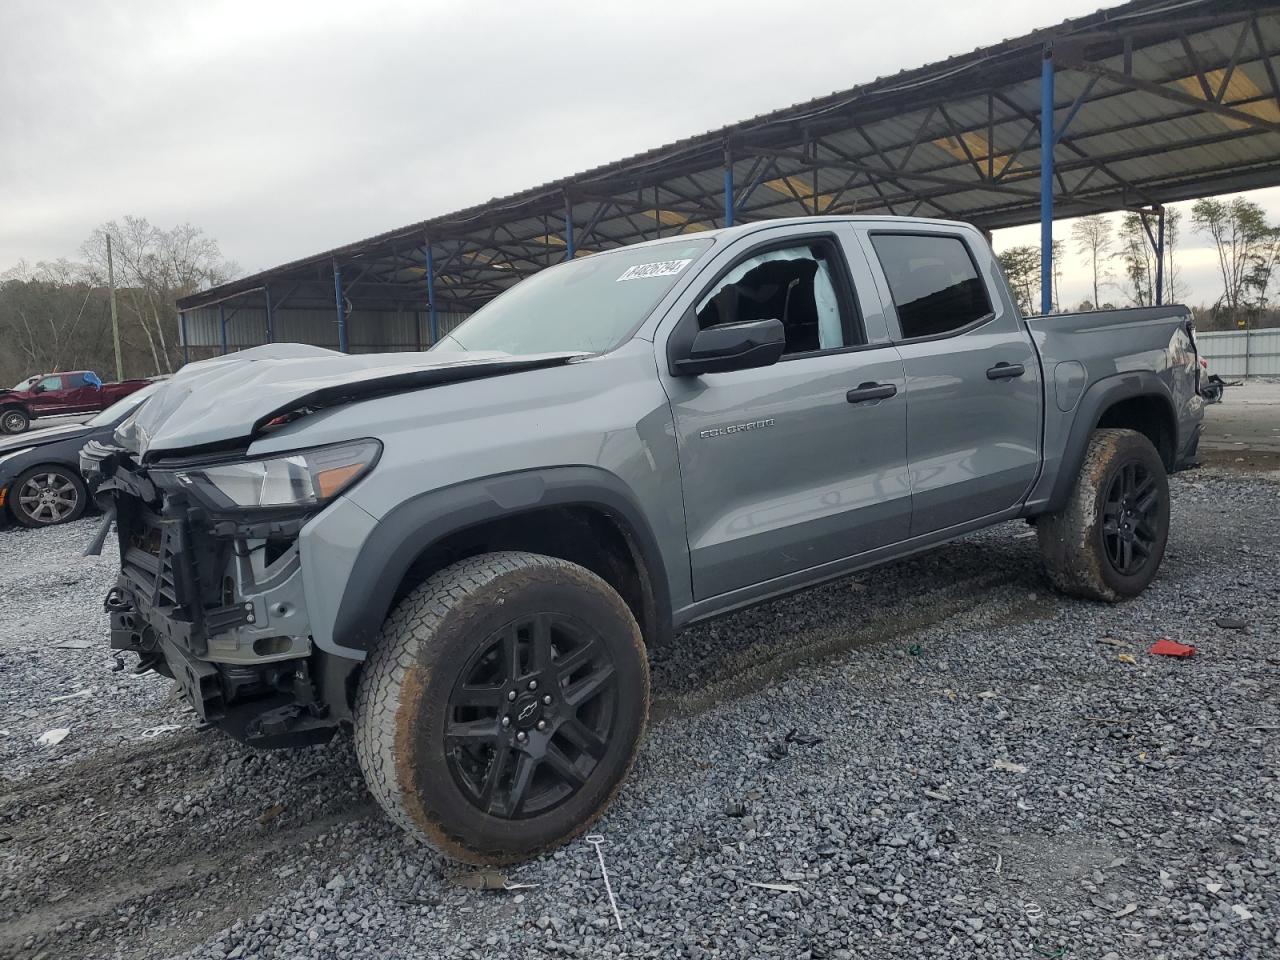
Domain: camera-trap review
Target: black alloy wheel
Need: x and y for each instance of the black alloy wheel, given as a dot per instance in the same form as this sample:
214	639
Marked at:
1131	518
530	715
502	705
1106	542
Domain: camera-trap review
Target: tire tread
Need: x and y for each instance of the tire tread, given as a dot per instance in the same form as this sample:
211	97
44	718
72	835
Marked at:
1067	537
408	630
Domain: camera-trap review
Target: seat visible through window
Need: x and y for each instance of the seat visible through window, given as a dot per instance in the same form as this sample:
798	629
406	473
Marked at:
792	285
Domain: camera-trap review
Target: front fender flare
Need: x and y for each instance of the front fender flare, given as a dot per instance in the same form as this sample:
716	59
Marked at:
410	528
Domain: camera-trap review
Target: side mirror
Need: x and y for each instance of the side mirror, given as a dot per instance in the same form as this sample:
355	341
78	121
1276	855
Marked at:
732	346
38	388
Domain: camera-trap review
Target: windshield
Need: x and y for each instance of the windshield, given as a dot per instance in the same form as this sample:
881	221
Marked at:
587	306
26	384
121	407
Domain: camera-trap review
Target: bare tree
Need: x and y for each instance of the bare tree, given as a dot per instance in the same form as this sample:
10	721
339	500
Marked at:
1240	233
46	318
155	268
1092	236
1021	267
1137	259
1263	271
1172	275
1059	249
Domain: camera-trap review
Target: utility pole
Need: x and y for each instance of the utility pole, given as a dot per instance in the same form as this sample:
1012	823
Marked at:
115	320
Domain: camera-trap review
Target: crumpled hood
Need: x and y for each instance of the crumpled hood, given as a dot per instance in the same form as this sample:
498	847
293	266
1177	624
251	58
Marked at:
226	399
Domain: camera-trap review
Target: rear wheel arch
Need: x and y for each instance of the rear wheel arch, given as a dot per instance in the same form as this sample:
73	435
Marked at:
1149	414
1136	401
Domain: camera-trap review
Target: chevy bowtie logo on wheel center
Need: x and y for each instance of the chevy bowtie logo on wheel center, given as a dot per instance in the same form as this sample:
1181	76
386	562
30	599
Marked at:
528	711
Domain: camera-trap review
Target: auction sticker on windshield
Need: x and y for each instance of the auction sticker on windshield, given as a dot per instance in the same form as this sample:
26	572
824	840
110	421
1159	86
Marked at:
663	268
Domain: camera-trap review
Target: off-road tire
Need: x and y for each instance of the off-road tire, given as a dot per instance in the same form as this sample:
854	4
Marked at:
1071	539
402	706
14	420
67	479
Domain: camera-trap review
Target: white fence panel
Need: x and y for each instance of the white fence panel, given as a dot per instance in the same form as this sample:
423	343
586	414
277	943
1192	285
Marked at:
1242	353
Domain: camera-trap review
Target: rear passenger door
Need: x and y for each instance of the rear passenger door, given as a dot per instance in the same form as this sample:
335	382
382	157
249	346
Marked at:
787	467
973	380
79	396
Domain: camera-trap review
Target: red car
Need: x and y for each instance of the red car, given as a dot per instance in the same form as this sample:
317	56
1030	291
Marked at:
59	394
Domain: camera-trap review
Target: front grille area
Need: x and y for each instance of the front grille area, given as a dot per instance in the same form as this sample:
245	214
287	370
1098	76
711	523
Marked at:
148	558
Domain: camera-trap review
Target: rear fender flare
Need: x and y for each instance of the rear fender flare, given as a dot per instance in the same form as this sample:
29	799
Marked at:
1097	399
409	529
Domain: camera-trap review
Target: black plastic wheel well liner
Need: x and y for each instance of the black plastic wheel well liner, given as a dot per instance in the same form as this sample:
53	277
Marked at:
1137	401
582	514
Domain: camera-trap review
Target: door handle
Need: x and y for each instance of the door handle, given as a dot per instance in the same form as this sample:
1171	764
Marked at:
871	391
1005	371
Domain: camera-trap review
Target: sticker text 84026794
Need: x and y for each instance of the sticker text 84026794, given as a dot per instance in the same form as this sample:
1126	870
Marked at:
663	268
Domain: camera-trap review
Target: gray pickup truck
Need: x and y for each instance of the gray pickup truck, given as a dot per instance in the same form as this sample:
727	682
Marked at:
463	554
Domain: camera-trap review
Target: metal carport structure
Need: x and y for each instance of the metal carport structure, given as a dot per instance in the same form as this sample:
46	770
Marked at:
1143	104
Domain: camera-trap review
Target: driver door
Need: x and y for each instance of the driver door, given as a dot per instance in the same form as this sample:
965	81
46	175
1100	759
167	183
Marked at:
48	396
791	466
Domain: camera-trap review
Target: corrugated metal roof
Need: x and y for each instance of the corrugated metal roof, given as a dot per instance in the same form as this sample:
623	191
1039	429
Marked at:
957	139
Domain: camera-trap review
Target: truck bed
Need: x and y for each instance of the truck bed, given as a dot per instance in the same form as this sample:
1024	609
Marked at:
1089	356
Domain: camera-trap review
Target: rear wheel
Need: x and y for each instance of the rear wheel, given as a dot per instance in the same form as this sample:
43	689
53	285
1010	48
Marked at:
47	496
502	706
1108	541
14	420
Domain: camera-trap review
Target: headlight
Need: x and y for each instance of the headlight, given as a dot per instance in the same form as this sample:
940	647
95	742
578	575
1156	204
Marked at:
304	478
14	453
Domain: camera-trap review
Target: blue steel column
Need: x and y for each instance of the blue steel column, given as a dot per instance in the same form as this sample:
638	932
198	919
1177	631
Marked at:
568	227
222	322
728	187
1046	181
431	295
271	321
337	303
1160	257
182	332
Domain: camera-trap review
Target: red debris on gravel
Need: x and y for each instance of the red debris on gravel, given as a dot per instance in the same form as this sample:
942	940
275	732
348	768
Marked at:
1164	647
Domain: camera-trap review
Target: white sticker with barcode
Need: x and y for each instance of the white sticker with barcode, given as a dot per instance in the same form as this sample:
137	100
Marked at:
663	268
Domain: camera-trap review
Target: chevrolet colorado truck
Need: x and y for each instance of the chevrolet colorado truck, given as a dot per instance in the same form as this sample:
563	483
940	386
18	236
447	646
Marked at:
463	554
58	394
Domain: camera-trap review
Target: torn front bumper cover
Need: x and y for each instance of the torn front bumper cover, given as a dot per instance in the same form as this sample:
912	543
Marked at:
197	602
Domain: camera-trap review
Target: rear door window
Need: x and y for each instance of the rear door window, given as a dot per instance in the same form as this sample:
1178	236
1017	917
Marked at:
935	284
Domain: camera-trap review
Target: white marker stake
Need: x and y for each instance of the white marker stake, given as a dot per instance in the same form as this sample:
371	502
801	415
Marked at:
596	840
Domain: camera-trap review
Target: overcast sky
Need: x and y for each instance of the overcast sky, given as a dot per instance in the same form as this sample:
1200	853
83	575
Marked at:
287	128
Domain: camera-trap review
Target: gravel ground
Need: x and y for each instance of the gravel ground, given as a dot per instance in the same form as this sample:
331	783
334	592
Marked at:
1001	772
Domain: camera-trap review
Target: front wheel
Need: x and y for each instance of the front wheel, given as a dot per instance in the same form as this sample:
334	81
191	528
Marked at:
1109	539
14	420
502	705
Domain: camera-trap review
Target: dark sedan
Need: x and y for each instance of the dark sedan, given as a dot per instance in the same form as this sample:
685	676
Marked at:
40	482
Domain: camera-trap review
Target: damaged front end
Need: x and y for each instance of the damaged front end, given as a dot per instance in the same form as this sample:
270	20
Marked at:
211	589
